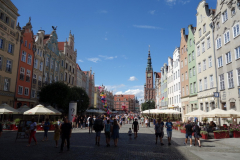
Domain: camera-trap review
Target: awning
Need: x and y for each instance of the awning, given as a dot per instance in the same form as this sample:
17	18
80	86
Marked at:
26	100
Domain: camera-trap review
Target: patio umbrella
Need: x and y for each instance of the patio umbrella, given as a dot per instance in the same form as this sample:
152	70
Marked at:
217	113
234	113
23	109
6	109
54	110
196	113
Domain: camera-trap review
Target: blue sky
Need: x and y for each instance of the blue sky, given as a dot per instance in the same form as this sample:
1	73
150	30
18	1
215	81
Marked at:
112	36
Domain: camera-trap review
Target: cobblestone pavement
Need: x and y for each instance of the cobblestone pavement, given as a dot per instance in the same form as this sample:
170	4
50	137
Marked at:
144	147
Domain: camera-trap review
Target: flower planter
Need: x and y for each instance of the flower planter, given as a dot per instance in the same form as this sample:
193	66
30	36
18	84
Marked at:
52	127
193	134
39	127
13	127
220	135
183	131
236	134
204	136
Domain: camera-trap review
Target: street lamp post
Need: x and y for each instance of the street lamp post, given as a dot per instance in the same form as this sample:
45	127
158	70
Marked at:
149	111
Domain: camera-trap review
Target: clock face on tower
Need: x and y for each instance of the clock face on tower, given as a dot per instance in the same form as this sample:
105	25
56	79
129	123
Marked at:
149	75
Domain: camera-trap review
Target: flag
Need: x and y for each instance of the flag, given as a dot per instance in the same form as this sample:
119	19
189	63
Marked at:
162	98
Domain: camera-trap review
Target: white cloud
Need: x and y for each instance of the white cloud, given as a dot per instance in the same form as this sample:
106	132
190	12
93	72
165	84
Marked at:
107	57
137	92
95	60
152	12
80	60
114	87
105	39
173	2
146	27
103	11
133	78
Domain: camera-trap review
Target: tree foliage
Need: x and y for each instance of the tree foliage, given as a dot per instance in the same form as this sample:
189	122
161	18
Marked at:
61	94
148	105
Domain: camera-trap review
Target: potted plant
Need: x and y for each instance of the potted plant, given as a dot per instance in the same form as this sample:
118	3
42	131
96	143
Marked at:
183	129
204	134
15	124
221	134
235	129
205	120
39	127
52	126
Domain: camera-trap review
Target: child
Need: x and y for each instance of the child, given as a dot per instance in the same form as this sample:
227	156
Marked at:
130	133
56	134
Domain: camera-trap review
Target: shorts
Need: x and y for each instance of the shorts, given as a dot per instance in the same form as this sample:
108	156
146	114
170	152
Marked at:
135	129
107	134
169	133
74	124
158	134
98	133
188	135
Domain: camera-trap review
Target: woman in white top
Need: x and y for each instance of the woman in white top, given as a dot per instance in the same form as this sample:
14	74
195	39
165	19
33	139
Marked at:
146	122
33	129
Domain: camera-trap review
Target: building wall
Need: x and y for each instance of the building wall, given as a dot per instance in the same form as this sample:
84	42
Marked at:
228	72
206	74
10	34
192	67
170	83
176	81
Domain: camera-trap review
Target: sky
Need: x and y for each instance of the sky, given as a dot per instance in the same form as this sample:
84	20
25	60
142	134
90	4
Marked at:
113	36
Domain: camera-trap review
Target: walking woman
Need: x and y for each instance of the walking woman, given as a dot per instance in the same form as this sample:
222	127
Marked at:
115	133
197	135
46	128
146	122
33	129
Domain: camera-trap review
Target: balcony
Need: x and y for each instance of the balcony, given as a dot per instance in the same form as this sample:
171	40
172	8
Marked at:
21	77
27	78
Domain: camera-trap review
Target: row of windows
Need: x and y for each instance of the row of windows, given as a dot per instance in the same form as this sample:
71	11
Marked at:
36	65
5	18
27	45
211	85
228	57
186	76
22	74
193	88
28	56
192	72
207	107
10	46
230	79
8	64
174	76
174	100
20	90
205	64
203	46
174	88
6	86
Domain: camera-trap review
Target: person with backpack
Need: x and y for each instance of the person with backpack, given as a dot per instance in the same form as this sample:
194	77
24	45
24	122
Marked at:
108	129
98	127
197	135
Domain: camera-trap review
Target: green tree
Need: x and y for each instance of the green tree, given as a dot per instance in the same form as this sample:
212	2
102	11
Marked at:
80	96
148	105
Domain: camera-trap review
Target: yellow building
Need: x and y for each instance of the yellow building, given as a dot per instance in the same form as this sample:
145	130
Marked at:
9	51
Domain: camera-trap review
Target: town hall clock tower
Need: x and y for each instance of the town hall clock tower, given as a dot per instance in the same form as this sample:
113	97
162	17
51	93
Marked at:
149	91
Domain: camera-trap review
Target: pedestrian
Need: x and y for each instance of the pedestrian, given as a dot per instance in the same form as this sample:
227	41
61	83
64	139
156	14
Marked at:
169	125
108	129
115	133
135	128
90	124
142	121
1	128
120	122
56	134
66	132
98	127
81	122
197	135
94	118
159	131
59	122
33	129
111	120
46	128
130	133
188	133
78	121
74	120
85	121
146	122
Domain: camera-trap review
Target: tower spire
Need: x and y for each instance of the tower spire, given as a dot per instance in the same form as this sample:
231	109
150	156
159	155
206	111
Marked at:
149	63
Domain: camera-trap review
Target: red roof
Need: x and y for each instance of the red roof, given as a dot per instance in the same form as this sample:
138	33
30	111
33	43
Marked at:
122	97
61	46
78	67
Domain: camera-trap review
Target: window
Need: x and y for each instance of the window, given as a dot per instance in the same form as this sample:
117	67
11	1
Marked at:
203	47
200	85
198	50
208	43
201	106
190	42
66	66
236	30
62	63
185	61
47	61
40	53
25	43
205	83
237	52
33	93
182	77
41	66
228	57
46	77
200	32
189	57
0	63
211	81
22	73
191	88
210	61
183	91
233	11
195	87
230	79
190	73
199	67
20	90
226	37
37	51
24	56
204	28
186	75
181	64
34	78
204	65
194	71
1	16
207	107
73	73
219	44
29	59
29	45
186	90
56	66
6	84
1	43
220	64
238	75
70	68
9	66
36	63
193	55
26	91
221	79
10	48
52	63
224	16
65	76
28	75
7	20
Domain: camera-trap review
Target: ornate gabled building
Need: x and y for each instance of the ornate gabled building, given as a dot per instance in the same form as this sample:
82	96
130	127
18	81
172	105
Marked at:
67	49
157	77
90	85
9	51
164	86
149	91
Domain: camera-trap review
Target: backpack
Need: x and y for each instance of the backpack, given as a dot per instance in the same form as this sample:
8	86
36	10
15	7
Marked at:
107	127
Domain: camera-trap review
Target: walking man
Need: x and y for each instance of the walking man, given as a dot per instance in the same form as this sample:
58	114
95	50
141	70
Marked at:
159	130
98	127
135	127
169	130
66	131
188	133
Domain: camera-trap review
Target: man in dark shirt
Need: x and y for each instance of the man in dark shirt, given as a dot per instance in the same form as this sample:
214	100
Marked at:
98	127
85	119
188	133
135	127
66	131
